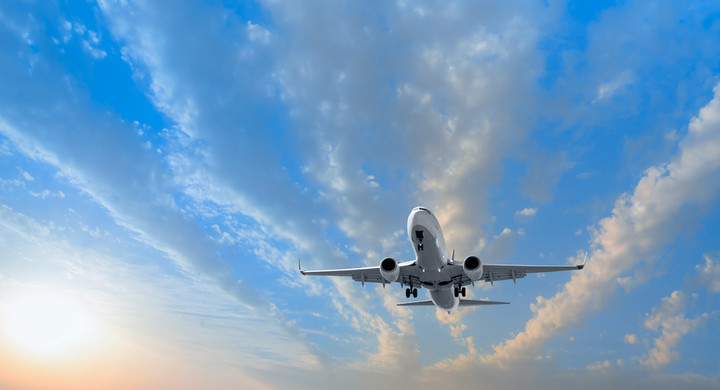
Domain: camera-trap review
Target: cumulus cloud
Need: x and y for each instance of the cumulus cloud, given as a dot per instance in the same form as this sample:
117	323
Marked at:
641	223
670	318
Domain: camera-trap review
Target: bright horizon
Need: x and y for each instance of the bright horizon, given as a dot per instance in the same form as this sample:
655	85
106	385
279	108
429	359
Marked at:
164	165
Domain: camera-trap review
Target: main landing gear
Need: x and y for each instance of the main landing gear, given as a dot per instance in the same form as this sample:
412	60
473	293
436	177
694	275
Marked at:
460	291
409	292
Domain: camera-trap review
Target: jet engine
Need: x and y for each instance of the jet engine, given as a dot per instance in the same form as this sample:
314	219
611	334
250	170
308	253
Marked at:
389	269
473	267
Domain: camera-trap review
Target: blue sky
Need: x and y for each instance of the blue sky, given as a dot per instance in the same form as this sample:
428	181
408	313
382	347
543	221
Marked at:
164	165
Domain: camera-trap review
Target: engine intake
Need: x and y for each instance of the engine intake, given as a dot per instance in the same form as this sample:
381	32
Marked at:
473	267
389	269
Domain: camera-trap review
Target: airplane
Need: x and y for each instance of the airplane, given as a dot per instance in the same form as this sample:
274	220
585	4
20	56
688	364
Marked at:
437	271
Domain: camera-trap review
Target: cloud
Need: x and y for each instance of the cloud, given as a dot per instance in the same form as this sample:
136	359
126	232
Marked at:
600	366
669	317
709	273
501	245
27	176
631	339
313	131
433	116
526	212
610	88
436	111
641	223
102	156
115	289
208	132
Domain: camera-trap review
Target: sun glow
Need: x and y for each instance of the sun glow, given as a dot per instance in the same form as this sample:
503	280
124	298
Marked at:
47	325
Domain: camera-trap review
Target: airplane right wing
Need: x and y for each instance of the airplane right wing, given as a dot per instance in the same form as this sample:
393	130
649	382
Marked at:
495	272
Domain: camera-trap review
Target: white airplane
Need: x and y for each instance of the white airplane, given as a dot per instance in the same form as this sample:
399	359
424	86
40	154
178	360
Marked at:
435	270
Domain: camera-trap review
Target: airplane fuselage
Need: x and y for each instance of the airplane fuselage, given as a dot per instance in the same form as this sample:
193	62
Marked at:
432	258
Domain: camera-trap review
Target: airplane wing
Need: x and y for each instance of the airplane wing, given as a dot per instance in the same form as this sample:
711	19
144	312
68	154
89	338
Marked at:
496	272
366	274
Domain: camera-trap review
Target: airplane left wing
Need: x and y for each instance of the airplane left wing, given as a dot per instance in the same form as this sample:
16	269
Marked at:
495	272
364	274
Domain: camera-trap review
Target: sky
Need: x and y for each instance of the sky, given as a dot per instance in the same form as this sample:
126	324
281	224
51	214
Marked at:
164	164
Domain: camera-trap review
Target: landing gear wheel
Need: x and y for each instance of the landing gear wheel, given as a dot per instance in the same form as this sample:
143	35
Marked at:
462	291
414	293
457	291
407	293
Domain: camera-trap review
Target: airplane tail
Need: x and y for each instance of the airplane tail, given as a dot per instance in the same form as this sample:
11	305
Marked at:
417	303
476	302
463	302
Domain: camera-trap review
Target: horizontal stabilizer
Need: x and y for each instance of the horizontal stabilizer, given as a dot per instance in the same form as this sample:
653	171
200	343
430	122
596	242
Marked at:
475	302
463	302
417	303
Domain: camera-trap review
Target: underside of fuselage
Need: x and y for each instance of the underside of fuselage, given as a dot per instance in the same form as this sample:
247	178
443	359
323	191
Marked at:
432	257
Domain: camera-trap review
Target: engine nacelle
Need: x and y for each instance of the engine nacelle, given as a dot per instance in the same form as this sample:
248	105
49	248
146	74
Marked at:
473	267
389	269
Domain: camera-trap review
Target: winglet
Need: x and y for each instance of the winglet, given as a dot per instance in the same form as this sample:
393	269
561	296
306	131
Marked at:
581	266
300	268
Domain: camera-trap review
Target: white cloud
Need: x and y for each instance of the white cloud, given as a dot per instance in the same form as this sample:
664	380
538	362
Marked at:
607	90
631	339
93	51
709	273
257	33
209	133
526	212
600	366
27	176
500	246
641	223
670	318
